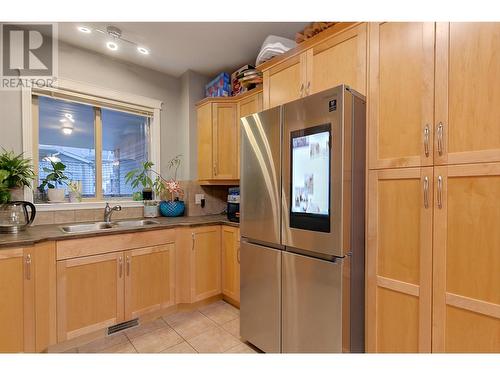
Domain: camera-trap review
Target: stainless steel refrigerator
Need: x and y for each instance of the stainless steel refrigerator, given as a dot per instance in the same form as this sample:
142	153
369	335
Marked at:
302	225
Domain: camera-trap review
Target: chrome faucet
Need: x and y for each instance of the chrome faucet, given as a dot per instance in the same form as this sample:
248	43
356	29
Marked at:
108	211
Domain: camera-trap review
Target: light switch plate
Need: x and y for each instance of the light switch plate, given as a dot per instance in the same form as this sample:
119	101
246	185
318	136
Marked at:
198	198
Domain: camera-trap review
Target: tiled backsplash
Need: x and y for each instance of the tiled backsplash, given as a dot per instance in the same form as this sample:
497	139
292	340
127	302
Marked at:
215	203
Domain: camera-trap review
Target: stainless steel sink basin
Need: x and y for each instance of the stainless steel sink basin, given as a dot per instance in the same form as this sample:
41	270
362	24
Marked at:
96	227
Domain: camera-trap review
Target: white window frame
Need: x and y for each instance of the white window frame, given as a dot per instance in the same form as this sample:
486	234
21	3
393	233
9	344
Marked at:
72	87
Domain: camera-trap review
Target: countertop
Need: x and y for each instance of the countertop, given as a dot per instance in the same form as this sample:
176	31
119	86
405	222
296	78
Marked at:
54	232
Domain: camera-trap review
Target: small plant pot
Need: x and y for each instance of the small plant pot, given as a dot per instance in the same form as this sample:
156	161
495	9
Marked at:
17	194
74	197
172	208
55	195
147	194
151	209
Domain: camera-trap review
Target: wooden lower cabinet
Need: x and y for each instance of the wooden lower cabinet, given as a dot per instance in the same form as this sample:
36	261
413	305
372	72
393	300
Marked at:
466	311
399	260
205	262
89	294
230	241
17	296
149	279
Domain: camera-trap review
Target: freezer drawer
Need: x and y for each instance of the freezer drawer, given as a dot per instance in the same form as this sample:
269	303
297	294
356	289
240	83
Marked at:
260	297
312	305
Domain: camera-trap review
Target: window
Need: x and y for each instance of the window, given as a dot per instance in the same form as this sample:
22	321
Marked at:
98	145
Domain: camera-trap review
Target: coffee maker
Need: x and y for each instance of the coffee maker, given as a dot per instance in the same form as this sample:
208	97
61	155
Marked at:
233	204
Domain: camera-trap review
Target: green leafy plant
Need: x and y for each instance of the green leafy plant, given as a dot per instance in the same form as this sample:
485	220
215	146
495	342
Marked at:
55	177
4	188
141	177
19	169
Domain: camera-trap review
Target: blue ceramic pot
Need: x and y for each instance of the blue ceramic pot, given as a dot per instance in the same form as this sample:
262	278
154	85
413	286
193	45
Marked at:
172	208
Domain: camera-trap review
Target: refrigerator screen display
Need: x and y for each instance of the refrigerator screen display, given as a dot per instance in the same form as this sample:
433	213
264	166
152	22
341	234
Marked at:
310	178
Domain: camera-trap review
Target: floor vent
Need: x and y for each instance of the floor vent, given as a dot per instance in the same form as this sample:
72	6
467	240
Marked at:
122	326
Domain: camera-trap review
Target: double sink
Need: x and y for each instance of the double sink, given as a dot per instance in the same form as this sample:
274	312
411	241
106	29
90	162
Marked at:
99	226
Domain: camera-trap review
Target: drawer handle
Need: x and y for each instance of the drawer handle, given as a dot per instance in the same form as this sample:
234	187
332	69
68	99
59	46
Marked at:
426	192
120	266
128	265
440	192
426	140
28	267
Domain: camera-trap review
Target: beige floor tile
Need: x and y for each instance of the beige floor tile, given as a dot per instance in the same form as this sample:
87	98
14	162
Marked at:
233	327
189	324
183	347
241	348
156	341
220	312
125	347
100	345
215	340
147	327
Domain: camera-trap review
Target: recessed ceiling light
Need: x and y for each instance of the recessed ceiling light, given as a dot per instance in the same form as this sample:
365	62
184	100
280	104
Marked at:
143	50
84	29
112	46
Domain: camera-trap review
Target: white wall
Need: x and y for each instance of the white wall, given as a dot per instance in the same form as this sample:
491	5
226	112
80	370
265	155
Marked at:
93	68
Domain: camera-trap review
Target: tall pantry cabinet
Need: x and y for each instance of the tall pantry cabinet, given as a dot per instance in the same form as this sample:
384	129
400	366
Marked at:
434	151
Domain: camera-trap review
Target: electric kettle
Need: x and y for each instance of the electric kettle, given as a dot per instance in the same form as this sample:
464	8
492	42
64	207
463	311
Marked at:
14	216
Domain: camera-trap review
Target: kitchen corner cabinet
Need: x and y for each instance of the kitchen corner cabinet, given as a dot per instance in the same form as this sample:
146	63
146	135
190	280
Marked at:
149	279
17	296
399	260
401	94
230	242
466	311
217	141
205	262
331	60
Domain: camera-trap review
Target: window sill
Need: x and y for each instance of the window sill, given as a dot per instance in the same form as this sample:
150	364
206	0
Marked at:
85	205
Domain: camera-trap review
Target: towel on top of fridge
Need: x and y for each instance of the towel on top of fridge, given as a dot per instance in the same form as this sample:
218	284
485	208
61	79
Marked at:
273	46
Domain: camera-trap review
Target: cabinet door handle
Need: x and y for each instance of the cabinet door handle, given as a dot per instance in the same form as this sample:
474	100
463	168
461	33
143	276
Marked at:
192	241
120	266
301	90
426	192
440	192
128	265
308	87
238	255
215	170
426	140
440	138
28	267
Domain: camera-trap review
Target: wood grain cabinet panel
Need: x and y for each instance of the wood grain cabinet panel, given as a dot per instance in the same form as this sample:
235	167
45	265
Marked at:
466	313
285	82
225	141
231	262
399	260
205	142
339	60
89	294
401	94
17	296
149	280
205	263
467	92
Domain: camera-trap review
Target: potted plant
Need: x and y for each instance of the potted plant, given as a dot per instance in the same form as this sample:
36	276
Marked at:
172	206
4	189
54	180
75	191
142	177
19	173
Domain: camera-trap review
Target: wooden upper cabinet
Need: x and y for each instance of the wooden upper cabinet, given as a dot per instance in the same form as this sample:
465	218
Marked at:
467	93
149	280
225	141
466	284
205	142
250	104
285	82
89	294
399	260
205	263
231	262
401	94
17	296
339	60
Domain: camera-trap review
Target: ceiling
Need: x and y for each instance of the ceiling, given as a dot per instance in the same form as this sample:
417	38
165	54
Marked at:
205	47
